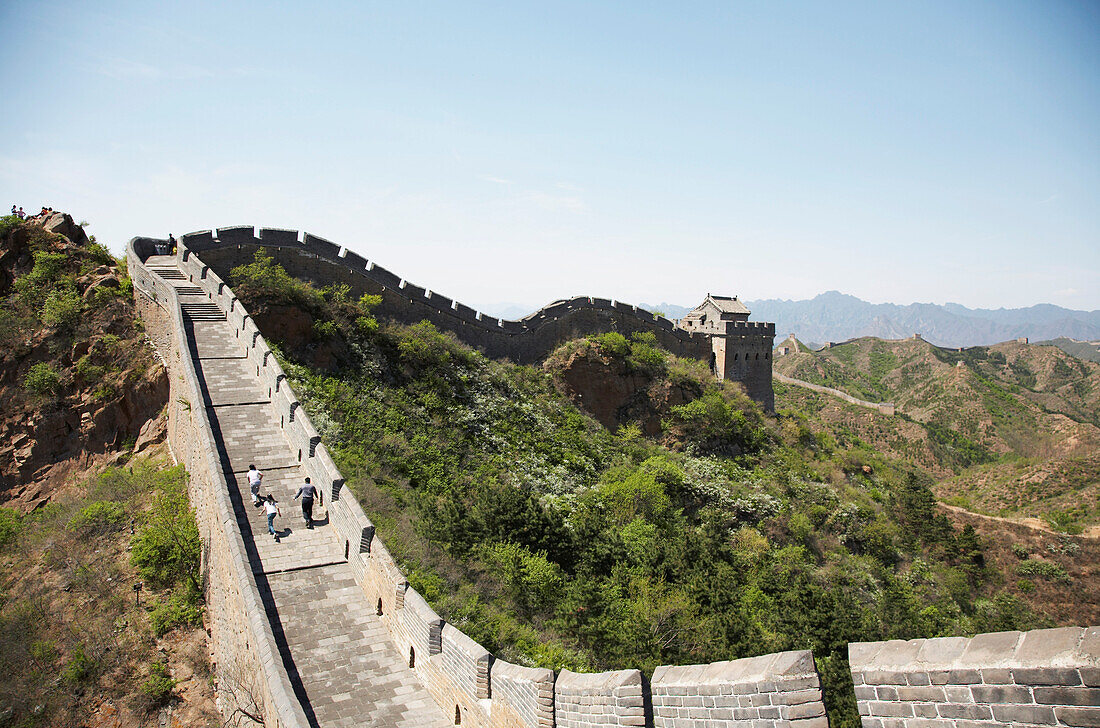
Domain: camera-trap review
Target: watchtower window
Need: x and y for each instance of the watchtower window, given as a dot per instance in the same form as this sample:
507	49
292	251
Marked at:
379	606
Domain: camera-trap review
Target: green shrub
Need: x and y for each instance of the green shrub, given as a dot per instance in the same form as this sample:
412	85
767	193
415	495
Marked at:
1020	551
1064	522
1046	569
167	547
159	685
99	253
79	668
9	223
42	379
265	276
47	273
180	609
10	525
88	371
98	517
613	344
1025	585
62	309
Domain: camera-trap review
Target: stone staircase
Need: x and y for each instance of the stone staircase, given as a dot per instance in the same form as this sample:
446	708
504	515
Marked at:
344	669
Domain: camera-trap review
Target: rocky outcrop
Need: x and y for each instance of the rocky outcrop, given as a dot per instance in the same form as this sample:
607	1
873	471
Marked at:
614	393
109	384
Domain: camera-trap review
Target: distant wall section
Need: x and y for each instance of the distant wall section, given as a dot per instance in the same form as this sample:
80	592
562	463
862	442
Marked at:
526	341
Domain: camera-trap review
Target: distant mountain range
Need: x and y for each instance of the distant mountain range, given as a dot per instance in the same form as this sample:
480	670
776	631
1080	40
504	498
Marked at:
835	316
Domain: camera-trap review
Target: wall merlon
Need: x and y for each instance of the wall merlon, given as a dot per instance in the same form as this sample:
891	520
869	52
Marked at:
321	247
198	241
237	235
355	261
384	277
278	236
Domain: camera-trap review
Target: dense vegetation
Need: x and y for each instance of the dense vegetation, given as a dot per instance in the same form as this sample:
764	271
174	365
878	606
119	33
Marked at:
554	541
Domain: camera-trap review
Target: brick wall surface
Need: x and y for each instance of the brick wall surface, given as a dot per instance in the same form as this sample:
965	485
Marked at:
583	700
771	691
1047	677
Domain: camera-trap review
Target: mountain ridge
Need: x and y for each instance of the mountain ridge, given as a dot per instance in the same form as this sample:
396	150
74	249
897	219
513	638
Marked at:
836	316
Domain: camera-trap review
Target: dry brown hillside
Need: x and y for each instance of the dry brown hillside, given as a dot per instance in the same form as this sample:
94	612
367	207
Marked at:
1010	430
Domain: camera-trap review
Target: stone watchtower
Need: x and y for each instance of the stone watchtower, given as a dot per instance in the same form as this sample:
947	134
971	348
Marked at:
741	350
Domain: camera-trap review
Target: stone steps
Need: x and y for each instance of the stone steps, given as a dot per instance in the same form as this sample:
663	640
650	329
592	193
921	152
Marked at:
202	312
169	274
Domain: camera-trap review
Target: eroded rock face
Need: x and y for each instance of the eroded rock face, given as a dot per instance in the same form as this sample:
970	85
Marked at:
109	383
608	390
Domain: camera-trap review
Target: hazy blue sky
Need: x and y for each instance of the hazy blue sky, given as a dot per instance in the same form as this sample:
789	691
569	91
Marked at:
524	152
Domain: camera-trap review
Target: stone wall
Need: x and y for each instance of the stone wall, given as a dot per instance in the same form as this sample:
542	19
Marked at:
461	675
772	691
525	341
246	657
1039	678
1048	677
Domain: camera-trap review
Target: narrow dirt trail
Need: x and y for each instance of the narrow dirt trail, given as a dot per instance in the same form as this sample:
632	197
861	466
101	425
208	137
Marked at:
1036	524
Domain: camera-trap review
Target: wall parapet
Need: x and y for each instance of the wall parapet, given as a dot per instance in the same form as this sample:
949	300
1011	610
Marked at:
781	689
228	242
1048	677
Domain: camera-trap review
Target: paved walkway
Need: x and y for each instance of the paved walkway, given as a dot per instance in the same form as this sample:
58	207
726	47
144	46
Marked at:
337	652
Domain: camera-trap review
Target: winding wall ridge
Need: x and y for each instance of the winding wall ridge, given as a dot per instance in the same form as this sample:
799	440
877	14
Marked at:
245	651
772	691
886	408
525	340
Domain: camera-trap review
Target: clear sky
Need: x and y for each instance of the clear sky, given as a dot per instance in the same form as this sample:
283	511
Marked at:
521	152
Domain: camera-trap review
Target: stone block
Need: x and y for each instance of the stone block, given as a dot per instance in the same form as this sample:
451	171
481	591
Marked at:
1001	694
920	694
890	710
942	652
276	236
1046	676
806	710
1079	717
965	711
1049	647
964	677
997	676
1068	696
1034	714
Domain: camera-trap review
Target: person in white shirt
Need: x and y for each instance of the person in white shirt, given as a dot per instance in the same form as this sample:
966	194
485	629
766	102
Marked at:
254	479
272	509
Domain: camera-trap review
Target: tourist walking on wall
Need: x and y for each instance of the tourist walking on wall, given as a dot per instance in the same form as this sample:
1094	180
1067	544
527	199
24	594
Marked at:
308	492
254	479
272	509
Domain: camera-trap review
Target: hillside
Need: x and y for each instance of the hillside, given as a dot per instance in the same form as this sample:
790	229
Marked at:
617	507
1087	350
968	417
90	504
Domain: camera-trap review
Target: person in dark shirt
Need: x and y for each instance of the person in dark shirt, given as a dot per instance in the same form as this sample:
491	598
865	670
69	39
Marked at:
307	492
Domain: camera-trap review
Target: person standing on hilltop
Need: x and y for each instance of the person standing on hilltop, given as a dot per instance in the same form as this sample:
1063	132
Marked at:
171	244
308	491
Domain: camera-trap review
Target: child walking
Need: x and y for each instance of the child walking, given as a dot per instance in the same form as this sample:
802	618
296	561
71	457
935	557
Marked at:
272	509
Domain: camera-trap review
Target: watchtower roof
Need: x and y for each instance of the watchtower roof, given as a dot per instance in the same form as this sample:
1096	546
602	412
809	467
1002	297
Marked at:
726	304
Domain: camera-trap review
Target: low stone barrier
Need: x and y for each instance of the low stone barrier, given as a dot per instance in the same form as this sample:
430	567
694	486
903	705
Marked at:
1048	677
772	691
613	698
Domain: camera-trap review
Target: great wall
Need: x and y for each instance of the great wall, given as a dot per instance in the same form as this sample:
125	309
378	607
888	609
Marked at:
322	629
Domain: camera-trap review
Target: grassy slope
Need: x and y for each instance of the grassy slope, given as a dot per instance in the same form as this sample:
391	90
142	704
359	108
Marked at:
967	417
555	542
